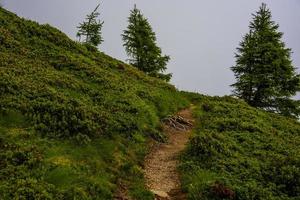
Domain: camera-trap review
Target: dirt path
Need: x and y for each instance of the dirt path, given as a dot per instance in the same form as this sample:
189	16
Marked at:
161	173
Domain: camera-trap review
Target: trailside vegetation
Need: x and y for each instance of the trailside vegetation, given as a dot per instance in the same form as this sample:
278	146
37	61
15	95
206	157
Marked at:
140	44
73	121
265	77
89	32
239	152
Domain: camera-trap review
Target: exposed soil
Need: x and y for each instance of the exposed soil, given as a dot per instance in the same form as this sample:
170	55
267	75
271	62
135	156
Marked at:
161	174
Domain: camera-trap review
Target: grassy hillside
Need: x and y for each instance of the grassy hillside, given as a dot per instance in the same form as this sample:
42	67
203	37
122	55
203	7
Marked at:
239	152
74	124
73	121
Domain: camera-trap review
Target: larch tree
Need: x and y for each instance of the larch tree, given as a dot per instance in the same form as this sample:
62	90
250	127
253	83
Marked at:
140	45
265	76
89	32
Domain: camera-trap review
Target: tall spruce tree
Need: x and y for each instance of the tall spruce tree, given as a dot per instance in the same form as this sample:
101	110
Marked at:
90	29
264	72
140	44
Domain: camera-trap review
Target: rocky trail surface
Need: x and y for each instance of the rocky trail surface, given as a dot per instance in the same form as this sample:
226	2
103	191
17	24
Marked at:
161	174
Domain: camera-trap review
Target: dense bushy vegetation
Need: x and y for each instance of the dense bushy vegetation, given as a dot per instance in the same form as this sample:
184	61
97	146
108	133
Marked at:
78	118
74	123
239	152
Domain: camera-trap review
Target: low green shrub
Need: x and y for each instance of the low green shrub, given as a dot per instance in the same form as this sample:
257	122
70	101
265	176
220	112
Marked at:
71	117
239	152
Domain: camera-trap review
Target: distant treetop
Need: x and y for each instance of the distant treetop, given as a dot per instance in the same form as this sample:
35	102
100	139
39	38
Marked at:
89	31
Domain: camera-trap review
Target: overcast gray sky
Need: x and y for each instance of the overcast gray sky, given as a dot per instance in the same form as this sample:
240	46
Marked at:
200	36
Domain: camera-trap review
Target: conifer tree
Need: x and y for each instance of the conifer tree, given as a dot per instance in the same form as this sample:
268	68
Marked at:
90	29
264	72
140	44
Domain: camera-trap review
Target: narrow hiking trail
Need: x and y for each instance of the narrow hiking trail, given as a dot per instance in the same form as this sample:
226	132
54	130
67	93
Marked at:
161	174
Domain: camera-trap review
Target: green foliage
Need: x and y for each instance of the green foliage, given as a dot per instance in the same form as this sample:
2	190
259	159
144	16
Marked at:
140	44
20	160
78	91
91	29
264	72
239	152
71	117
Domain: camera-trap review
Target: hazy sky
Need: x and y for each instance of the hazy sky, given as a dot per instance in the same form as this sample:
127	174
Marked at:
200	36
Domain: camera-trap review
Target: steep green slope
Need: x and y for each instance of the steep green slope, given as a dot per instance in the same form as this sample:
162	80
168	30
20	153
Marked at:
239	152
73	121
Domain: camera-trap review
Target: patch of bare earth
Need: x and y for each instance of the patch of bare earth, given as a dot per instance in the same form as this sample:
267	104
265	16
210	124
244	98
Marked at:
161	174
